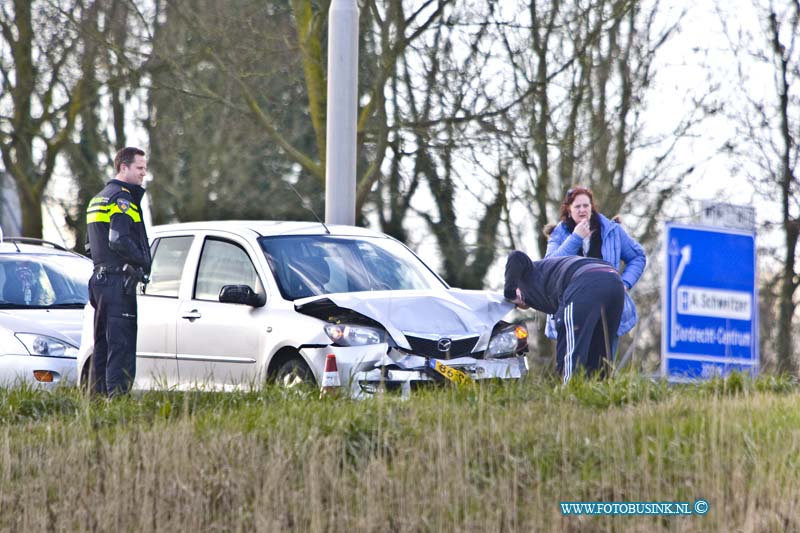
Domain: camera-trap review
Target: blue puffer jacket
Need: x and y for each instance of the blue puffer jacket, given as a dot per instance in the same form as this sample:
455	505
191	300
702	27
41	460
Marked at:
617	245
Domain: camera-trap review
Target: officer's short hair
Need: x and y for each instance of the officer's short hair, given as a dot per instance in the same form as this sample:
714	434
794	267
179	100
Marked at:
126	157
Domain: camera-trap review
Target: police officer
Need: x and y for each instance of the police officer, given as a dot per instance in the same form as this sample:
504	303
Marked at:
586	296
119	249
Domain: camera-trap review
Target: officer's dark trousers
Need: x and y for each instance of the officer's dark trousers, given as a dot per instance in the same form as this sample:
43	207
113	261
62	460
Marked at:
585	338
114	359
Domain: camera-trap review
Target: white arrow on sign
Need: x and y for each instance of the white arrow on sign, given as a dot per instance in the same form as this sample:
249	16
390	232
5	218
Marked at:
686	258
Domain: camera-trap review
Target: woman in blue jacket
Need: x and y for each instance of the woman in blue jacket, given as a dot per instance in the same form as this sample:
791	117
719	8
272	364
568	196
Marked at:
584	231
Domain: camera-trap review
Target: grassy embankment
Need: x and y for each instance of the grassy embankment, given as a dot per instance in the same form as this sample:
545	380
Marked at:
496	458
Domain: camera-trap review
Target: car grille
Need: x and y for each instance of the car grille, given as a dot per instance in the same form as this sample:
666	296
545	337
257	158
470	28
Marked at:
429	347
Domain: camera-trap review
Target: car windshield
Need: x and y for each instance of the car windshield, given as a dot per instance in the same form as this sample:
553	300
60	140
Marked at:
311	265
46	280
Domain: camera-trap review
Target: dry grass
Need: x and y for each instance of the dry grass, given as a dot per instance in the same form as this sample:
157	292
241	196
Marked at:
499	458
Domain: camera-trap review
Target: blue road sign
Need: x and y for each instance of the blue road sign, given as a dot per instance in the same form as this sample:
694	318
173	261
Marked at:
709	302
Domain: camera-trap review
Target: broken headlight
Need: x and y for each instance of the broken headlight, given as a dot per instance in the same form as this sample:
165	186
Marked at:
351	335
508	341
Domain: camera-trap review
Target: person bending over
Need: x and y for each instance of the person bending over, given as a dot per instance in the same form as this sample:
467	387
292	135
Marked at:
585	295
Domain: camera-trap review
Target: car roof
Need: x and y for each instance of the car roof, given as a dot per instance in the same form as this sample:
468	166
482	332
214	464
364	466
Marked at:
15	246
270	228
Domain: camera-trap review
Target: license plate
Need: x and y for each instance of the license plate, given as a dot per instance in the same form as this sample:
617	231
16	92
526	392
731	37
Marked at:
452	374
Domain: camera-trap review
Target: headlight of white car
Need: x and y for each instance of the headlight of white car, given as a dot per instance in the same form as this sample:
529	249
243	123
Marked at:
350	335
508	341
45	346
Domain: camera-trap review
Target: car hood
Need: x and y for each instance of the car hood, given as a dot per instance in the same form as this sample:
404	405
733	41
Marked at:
62	324
432	313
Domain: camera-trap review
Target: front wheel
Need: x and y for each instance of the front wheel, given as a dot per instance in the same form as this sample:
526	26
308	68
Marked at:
87	375
294	374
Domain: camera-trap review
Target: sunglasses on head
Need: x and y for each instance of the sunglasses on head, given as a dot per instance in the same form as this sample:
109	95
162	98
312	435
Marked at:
575	191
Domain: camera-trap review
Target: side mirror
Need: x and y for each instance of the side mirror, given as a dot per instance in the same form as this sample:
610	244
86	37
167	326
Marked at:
241	294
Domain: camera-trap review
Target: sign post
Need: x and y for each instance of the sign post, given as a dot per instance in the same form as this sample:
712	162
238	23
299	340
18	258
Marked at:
709	302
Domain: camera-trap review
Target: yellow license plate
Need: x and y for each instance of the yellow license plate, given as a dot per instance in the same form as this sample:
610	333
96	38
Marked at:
452	374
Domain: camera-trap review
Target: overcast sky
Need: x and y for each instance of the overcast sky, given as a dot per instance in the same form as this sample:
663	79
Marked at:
699	57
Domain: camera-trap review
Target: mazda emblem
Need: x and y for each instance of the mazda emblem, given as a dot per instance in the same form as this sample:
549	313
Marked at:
444	345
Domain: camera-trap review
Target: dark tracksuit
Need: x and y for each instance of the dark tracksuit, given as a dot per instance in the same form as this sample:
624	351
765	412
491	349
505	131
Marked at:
578	291
117	236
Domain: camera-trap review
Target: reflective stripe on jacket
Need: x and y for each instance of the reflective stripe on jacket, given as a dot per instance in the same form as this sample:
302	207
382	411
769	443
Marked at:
115	227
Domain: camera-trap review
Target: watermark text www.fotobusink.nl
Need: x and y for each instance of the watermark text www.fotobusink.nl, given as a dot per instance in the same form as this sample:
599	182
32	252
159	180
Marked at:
698	507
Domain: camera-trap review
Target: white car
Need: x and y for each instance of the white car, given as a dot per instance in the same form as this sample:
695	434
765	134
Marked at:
43	291
231	304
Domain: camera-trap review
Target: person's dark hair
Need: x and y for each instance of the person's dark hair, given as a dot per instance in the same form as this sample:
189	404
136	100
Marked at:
570	197
518	265
126	157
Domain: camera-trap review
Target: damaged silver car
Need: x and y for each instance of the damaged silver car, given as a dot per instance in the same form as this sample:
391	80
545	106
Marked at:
231	304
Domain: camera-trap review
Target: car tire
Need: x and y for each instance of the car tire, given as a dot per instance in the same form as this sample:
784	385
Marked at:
84	380
294	373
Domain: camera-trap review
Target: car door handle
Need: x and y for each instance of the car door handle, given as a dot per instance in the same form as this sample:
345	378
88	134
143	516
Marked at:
192	315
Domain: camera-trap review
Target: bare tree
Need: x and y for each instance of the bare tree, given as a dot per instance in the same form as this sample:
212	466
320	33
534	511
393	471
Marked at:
42	94
265	63
447	121
563	87
86	152
210	156
582	72
768	143
109	61
585	71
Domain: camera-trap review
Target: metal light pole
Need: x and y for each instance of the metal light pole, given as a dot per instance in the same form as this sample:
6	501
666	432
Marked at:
340	165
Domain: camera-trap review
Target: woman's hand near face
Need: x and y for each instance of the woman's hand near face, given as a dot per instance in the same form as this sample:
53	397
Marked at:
582	229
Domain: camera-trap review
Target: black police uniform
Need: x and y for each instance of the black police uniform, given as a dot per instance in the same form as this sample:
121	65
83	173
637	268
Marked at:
117	238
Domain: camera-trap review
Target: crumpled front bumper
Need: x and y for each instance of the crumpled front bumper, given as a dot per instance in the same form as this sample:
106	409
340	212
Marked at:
417	373
365	371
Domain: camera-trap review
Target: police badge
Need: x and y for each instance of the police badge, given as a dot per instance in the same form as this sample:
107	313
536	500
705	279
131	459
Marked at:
123	204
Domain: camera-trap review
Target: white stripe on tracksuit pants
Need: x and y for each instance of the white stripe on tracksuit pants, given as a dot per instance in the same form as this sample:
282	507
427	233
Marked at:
570	334
582	339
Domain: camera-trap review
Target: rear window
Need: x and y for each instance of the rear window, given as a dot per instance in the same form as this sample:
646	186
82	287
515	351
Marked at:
33	280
